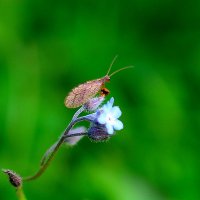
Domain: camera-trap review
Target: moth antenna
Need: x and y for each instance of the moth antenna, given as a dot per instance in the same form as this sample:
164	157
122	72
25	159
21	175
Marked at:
114	59
120	70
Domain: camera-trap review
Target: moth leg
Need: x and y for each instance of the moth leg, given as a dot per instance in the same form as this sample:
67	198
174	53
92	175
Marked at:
104	92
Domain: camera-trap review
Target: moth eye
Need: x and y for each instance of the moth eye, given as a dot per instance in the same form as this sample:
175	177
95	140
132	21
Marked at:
104	92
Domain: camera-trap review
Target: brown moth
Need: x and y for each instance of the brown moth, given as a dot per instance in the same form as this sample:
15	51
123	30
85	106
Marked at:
82	93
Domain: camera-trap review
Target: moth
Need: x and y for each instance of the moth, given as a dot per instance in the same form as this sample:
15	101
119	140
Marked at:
85	91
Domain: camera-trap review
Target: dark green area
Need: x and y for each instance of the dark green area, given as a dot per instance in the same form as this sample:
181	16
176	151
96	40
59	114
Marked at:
48	47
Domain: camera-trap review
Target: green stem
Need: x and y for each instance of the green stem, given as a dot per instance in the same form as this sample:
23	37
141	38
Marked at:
46	164
20	194
56	147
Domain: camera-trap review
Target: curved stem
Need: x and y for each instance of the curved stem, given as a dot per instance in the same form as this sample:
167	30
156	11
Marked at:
46	163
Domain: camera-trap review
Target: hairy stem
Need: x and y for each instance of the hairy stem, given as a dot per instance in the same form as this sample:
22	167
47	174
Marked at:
46	161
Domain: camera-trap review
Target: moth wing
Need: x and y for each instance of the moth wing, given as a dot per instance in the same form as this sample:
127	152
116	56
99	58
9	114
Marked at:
82	93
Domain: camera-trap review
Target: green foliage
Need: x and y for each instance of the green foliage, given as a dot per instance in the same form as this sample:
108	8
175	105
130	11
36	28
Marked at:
47	48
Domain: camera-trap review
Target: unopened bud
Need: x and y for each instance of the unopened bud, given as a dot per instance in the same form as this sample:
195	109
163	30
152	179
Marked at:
98	133
93	103
14	178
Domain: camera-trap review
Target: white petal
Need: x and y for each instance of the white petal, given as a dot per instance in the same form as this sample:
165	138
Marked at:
109	128
118	125
116	112
102	118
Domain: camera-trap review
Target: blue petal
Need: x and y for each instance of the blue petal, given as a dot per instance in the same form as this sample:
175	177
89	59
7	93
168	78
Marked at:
110	104
112	101
116	112
118	125
102	118
109	128
106	108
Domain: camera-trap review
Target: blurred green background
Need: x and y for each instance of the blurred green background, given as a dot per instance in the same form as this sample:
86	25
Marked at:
48	47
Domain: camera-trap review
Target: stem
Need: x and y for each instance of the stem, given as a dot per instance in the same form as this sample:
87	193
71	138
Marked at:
46	163
77	113
20	193
76	134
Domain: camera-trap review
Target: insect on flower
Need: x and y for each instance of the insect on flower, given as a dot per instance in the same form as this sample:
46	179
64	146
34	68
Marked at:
82	93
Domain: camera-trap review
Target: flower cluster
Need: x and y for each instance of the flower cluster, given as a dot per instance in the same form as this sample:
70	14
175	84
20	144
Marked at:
105	121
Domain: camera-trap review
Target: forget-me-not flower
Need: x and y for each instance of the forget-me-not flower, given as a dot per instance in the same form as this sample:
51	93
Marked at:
109	117
104	122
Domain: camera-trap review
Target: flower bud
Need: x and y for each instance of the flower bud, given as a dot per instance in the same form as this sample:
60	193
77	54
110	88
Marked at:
98	133
14	178
93	103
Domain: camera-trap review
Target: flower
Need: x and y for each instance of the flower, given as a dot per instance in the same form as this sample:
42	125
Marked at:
109	117
104	122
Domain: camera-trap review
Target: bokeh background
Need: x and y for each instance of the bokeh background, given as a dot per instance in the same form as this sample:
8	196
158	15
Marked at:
48	47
